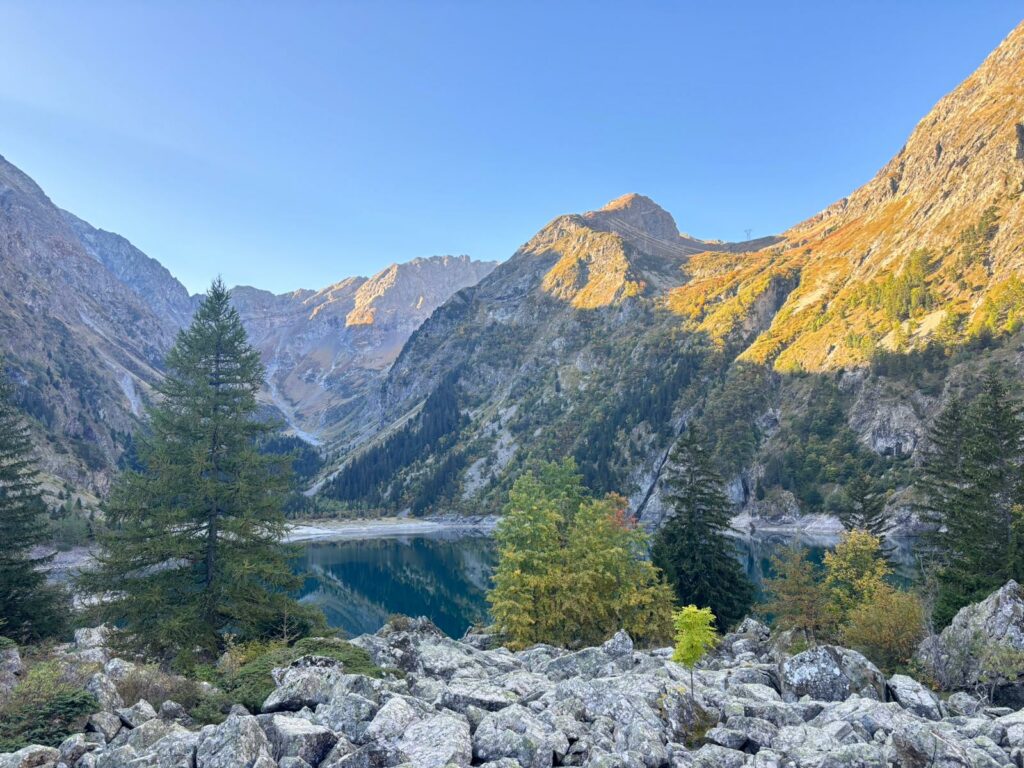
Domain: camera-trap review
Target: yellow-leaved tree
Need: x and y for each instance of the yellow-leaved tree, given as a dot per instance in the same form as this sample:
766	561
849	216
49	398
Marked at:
854	572
695	636
572	570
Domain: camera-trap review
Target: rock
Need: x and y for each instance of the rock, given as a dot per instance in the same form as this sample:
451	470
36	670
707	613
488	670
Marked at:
919	745
302	686
107	724
515	732
94	637
138	713
953	657
118	669
105	692
461	694
914	697
33	756
238	742
726	737
715	756
172	710
293	762
349	715
961	703
175	750
437	742
391	720
73	747
830	673
11	669
295	737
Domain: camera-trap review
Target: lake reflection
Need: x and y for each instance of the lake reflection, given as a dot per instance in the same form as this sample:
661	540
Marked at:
360	583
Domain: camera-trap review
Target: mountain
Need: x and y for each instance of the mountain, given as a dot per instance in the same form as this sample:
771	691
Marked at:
809	357
327	351
83	348
87	319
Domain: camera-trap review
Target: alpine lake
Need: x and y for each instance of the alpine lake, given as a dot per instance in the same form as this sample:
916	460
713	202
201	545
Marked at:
359	583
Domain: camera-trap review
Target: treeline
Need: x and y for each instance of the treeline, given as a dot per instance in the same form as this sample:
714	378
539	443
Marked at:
365	478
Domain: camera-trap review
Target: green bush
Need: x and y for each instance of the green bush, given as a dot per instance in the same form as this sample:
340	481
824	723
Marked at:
6	642
250	682
43	709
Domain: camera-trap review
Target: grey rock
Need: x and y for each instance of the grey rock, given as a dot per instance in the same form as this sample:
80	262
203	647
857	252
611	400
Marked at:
961	703
103	688
296	737
349	714
516	733
11	670
436	742
391	720
462	693
914	697
118	669
302	686
919	744
138	713
73	747
830	673
238	742
715	756
175	750
34	756
107	724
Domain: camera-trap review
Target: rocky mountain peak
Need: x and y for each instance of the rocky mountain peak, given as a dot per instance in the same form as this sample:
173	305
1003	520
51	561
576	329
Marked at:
634	214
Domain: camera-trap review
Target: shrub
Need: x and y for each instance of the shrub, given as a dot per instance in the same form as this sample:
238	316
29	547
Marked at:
44	709
250	682
887	627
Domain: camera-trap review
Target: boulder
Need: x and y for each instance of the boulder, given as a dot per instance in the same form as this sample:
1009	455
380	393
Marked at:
33	756
515	732
914	697
302	686
296	737
391	720
138	713
175	750
105	692
436	742
348	714
106	724
954	656
91	637
462	693
830	673
238	742
118	669
11	670
73	747
921	745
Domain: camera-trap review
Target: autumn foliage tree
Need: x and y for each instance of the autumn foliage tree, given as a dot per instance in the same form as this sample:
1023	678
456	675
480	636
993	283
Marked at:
572	570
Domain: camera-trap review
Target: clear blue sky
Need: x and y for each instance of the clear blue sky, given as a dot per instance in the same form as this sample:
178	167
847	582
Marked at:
292	144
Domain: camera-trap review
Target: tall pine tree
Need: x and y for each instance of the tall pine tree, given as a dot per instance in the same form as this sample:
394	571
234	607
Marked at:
193	552
865	510
29	608
692	548
971	487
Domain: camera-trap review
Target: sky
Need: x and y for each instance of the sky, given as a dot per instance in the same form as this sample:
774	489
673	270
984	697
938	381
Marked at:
288	145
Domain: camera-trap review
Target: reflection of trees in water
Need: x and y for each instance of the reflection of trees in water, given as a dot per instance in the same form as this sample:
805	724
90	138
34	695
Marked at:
756	552
359	583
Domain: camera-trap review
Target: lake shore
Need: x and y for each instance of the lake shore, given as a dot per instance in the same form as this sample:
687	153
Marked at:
385	527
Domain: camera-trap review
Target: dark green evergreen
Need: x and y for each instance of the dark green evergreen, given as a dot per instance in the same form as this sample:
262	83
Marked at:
692	548
193	553
971	489
29	608
865	507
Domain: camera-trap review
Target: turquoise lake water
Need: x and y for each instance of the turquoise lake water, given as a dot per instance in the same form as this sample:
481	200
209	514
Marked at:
360	583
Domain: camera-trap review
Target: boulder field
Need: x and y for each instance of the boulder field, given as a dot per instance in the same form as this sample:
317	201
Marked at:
470	702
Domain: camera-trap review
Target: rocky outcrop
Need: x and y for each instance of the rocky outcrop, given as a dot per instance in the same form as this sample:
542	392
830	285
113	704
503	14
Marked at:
982	646
460	704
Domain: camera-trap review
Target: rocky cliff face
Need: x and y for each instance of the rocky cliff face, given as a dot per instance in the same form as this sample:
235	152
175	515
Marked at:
327	351
83	348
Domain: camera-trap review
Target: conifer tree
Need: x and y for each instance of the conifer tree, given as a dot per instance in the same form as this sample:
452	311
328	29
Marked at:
692	547
865	508
797	599
193	551
29	608
971	487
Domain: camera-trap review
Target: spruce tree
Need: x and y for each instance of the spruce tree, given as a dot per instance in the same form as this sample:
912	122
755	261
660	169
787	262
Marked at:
692	548
29	608
193	553
972	487
865	509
